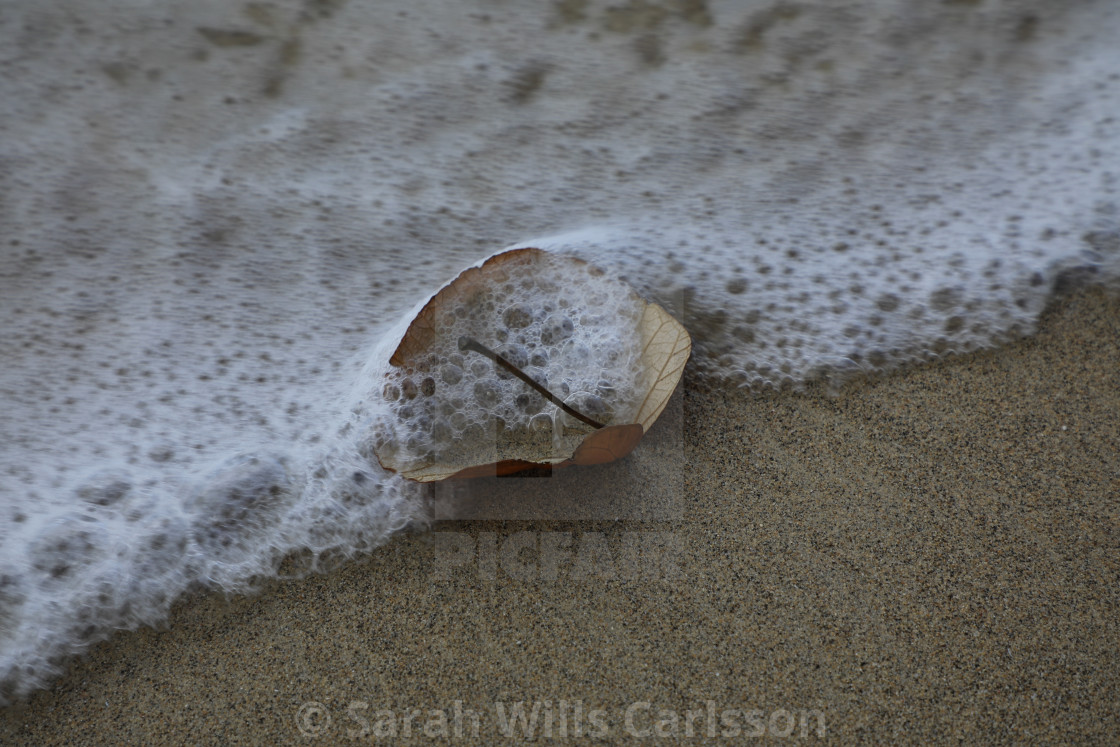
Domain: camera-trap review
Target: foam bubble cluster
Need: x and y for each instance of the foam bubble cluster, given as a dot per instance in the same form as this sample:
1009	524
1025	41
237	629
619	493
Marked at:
566	324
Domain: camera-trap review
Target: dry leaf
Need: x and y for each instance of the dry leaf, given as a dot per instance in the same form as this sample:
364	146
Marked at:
587	341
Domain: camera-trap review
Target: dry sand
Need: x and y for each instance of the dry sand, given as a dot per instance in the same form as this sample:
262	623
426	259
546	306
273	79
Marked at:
930	557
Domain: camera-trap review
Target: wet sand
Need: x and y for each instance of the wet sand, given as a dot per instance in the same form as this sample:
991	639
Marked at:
933	556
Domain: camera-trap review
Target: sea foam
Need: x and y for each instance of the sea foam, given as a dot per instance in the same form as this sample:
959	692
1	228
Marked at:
213	217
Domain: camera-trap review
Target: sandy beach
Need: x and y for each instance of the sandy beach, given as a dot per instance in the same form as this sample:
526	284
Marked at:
931	557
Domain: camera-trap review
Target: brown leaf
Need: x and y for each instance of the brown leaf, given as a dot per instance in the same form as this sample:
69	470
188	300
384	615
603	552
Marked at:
585	339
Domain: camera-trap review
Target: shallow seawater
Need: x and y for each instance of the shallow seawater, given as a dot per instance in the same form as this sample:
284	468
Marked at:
212	220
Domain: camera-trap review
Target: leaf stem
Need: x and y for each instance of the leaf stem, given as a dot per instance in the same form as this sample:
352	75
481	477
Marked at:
467	343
